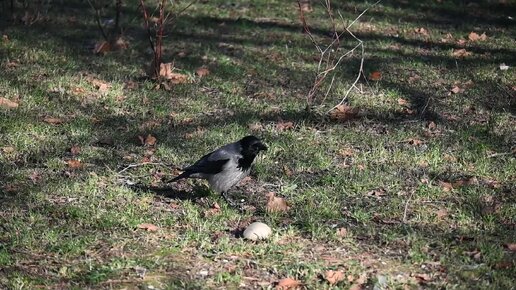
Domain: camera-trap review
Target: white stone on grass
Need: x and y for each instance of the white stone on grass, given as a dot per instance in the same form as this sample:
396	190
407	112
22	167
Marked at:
257	231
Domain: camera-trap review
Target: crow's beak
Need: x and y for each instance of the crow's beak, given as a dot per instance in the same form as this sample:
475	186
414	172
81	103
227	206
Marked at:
263	147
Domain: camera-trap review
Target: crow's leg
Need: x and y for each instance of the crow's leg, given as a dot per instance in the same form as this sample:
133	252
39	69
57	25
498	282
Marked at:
228	199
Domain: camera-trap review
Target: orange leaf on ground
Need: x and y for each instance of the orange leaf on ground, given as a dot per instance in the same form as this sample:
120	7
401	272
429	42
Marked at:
150	140
402	102
202	71
375	76
442	213
282	126
74	163
287	283
102	47
461	52
148	227
473	36
446	186
166	70
511	246
423	278
414	141
276	204
342	232
343	113
346	152
53	121
334	277
214	210
421	31
6	103
456	90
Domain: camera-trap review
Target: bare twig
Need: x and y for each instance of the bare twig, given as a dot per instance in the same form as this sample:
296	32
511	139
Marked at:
329	58
99	23
118	11
180	12
406	207
144	164
499	154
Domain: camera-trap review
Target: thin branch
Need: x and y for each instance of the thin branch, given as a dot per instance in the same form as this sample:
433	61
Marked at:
118	11
182	10
500	154
406	207
99	24
145	163
147	26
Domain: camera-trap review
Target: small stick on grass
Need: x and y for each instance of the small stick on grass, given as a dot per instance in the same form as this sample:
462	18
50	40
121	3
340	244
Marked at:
406	207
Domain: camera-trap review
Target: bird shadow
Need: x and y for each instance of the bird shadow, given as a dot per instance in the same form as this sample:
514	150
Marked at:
193	194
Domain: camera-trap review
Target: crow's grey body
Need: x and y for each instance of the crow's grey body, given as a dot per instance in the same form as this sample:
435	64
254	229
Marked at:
230	173
226	166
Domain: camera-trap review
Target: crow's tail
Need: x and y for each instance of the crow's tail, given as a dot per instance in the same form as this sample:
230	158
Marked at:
185	174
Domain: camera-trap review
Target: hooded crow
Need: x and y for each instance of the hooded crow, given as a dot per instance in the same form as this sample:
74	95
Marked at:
226	166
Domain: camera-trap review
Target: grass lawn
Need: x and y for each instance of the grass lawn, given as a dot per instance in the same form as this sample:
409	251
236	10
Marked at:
416	191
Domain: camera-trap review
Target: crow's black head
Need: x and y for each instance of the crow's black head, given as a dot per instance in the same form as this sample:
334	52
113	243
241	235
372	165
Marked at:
251	146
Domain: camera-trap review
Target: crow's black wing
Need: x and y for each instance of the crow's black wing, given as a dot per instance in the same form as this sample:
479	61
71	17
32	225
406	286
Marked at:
207	166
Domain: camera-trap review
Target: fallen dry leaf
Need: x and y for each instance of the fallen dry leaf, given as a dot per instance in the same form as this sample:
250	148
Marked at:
447	186
375	76
120	44
202	72
334	277
288	172
148	227
75	150
402	102
78	91
6	103
214	210
461	52
287	283
148	141
414	141
342	232
441	213
504	265
432	126
473	36
378	192
423	278
102	47
421	31
305	6
74	163
53	121
359	282
7	149
282	126
346	152
511	246
166	70
35	176
343	113
456	90
255	126
276	204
